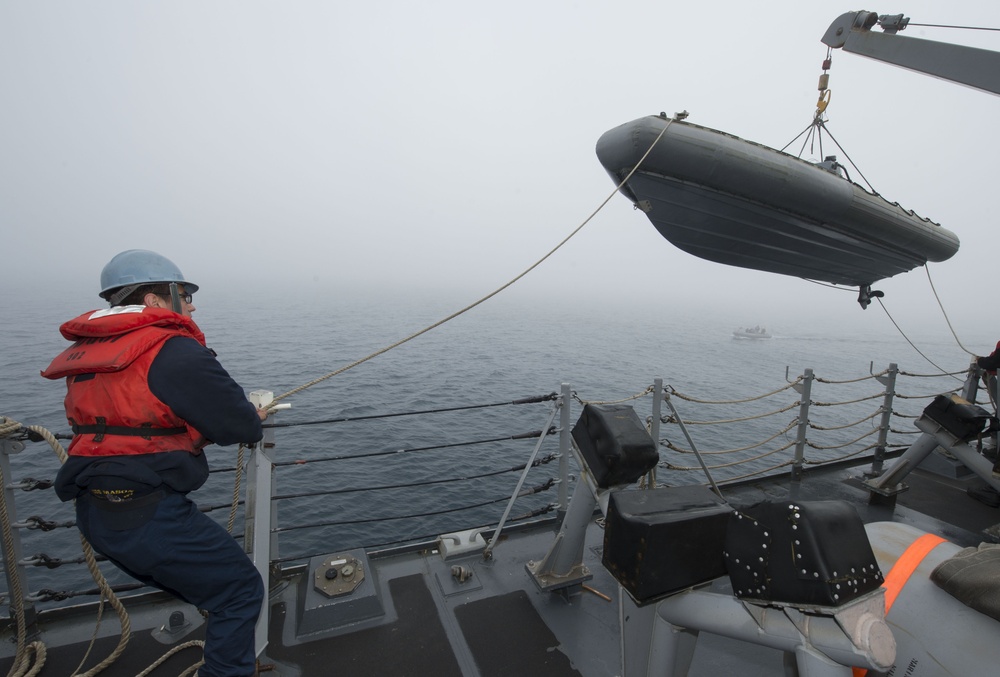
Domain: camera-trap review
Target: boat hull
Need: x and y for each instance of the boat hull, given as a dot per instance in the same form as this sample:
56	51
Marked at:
735	202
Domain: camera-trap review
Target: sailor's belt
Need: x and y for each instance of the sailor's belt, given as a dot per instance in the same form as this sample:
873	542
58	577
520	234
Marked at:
100	428
125	498
125	514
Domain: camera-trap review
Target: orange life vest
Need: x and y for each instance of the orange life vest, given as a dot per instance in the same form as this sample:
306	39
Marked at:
108	401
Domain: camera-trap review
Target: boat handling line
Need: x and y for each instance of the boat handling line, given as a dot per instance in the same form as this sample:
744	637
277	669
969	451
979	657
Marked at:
469	307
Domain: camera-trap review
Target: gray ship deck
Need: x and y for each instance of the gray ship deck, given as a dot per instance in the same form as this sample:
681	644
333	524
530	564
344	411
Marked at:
498	622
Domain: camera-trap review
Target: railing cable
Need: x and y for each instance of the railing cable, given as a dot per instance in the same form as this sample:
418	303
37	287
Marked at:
426	483
393	452
419	412
434	513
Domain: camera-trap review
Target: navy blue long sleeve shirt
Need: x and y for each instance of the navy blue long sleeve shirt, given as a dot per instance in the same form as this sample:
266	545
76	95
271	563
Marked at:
188	378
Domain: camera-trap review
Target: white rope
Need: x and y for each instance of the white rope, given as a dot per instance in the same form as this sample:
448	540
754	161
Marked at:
927	269
20	667
491	294
903	334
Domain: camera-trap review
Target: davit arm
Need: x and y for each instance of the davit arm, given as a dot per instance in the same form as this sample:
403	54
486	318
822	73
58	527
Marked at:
971	66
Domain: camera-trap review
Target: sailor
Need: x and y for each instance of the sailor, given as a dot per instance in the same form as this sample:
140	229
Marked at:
144	397
987	494
990	364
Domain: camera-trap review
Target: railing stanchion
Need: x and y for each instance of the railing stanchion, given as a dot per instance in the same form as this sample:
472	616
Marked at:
654	425
804	388
259	507
565	440
889	381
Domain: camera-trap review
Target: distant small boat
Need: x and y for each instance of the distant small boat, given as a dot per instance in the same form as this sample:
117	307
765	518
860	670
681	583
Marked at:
757	332
740	203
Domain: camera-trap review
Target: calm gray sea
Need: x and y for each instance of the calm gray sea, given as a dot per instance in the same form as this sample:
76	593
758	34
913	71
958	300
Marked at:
498	352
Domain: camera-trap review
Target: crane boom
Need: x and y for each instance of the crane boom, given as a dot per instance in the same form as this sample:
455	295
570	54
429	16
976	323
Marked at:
971	66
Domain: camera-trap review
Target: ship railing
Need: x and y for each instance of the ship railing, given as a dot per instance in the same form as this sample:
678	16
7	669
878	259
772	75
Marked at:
809	420
790	428
373	493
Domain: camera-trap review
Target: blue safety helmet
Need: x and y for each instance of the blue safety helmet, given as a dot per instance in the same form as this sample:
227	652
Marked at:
136	267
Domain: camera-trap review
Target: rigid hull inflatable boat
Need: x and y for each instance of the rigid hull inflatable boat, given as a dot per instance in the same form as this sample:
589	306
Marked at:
736	202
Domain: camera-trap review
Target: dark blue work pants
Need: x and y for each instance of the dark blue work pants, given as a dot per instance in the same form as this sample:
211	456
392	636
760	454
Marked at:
186	553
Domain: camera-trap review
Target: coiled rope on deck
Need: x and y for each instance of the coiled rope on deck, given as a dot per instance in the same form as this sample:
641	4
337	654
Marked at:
21	666
469	307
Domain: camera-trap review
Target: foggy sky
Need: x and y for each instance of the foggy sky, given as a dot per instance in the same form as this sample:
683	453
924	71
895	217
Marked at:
441	148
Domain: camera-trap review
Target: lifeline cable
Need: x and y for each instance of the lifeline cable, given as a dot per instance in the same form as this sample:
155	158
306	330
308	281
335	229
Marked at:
488	296
417	412
426	483
444	511
376	548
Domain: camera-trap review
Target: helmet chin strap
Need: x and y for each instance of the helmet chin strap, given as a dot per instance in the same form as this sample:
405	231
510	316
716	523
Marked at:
175	298
119	295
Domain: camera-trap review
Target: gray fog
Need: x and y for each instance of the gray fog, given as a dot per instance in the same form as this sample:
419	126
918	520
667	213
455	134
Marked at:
438	149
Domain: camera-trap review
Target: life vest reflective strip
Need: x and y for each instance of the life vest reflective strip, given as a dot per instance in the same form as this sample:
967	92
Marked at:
901	571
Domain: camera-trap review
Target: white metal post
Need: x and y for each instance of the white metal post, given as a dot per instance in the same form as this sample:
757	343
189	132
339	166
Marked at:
802	436
889	381
564	447
257	521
